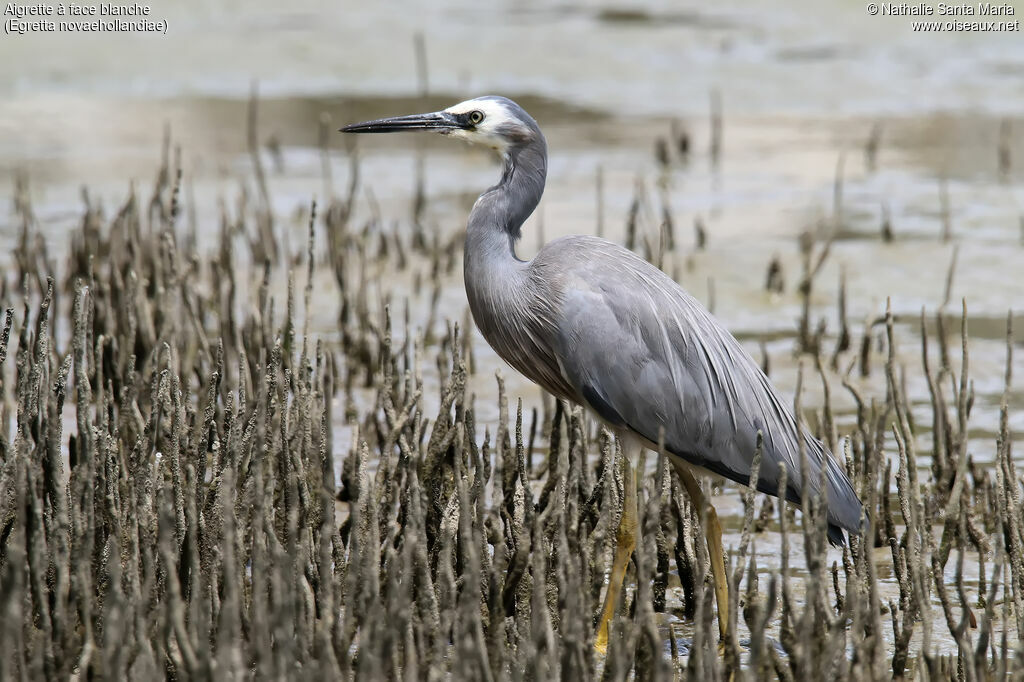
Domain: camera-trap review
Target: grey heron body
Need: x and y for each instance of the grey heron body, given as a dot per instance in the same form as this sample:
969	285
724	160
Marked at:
593	323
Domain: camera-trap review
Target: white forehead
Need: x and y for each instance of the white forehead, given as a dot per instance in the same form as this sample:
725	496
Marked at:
493	110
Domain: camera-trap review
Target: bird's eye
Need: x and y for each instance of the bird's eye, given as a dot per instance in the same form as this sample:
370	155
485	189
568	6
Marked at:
475	117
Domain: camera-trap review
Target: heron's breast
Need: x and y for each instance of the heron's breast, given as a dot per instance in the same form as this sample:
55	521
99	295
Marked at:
516	334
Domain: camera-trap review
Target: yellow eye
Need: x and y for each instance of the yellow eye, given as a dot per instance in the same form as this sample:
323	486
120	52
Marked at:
475	117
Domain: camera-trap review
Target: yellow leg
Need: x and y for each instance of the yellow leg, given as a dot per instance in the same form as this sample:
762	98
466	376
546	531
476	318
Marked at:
625	543
713	530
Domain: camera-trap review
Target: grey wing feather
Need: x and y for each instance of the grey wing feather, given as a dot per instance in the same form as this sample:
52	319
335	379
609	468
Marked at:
645	355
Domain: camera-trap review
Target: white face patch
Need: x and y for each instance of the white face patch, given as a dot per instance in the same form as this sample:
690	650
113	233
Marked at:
496	117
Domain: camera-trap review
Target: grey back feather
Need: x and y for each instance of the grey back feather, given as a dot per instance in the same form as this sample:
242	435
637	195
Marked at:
645	355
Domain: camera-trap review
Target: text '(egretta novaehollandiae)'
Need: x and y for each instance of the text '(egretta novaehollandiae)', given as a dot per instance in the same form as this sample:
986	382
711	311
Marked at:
595	324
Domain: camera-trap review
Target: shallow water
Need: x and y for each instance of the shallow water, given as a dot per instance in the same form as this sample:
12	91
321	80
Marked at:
802	86
653	57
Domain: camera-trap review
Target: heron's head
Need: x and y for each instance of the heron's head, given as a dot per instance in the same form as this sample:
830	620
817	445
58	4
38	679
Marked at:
492	121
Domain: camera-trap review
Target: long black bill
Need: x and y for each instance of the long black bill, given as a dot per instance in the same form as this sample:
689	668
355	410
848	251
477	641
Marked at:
436	121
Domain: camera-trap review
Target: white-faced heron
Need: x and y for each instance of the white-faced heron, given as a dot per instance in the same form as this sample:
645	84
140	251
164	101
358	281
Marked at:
595	324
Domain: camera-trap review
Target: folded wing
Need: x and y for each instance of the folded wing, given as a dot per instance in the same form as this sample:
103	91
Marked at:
645	355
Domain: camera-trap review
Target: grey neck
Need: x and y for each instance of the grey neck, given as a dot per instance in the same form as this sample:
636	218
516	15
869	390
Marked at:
495	224
502	291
